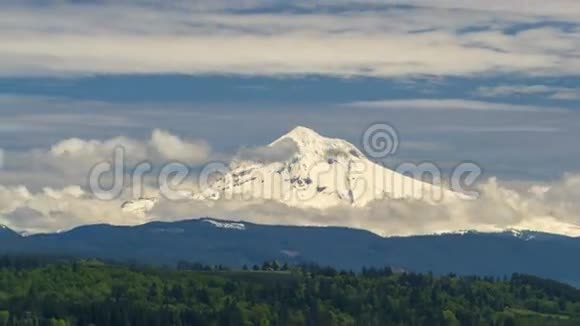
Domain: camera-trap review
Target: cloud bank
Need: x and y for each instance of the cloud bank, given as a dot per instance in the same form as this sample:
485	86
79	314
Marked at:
70	161
549	206
436	37
553	208
500	207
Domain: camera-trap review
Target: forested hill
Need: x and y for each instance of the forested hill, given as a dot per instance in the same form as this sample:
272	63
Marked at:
65	292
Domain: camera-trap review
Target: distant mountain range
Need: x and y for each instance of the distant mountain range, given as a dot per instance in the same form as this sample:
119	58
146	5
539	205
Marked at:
235	244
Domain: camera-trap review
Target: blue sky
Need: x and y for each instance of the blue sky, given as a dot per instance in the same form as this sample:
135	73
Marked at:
229	112
299	63
493	82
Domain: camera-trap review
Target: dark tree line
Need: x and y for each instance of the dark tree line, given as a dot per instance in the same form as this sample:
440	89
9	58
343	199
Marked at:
41	291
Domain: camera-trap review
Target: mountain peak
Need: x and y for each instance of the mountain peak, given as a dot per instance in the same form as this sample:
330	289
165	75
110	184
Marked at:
303	132
301	135
316	146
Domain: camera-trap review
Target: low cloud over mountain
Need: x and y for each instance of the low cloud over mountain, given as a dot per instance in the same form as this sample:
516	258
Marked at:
548	206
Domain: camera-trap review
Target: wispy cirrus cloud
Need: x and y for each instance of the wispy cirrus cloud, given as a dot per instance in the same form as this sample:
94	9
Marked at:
552	92
439	38
448	104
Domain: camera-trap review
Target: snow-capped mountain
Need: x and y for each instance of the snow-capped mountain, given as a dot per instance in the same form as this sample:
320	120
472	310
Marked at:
320	172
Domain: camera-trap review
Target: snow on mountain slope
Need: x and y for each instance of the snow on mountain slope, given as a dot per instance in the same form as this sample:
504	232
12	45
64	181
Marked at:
322	172
225	225
522	234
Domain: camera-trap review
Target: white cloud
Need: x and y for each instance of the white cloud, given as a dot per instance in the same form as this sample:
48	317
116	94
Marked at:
448	104
563	9
171	147
70	161
549	207
553	92
498	208
279	151
162	147
56	209
71	39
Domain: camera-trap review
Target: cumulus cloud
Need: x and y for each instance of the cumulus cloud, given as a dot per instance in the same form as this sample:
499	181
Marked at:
72	161
171	147
162	146
90	152
438	37
75	154
279	151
